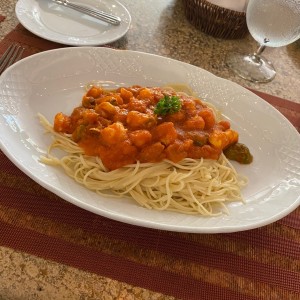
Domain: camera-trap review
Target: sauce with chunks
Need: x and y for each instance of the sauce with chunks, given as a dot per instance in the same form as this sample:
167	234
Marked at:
123	127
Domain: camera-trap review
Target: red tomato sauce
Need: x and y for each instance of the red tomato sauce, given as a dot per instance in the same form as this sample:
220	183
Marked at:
121	127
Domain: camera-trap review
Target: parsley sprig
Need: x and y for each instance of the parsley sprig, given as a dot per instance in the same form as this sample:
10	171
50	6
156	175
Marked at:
167	105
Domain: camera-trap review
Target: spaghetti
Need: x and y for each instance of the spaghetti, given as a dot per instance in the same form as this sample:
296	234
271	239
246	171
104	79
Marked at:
191	186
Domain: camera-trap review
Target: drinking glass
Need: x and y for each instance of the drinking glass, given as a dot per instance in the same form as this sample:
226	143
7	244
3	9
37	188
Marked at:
272	23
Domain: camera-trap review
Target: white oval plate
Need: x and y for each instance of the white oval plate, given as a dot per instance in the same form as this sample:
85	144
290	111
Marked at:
52	81
63	25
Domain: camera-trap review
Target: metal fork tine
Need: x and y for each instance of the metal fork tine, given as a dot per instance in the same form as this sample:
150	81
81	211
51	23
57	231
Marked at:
10	56
6	54
19	54
16	56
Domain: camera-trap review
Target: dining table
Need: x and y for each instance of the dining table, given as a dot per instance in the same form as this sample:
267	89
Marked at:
52	249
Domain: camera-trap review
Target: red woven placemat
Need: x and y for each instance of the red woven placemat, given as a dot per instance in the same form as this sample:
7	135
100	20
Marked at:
258	264
240	265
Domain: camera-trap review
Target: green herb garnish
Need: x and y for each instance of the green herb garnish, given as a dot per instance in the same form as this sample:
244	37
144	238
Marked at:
167	105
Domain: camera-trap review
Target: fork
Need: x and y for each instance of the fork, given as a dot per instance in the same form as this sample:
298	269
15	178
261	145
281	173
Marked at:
98	14
12	54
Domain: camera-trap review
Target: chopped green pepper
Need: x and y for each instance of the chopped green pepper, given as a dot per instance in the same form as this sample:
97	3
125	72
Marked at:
239	152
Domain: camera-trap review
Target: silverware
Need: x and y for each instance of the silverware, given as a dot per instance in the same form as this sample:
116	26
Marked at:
12	54
98	14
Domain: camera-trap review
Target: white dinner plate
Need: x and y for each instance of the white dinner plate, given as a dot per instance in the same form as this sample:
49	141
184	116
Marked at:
53	81
63	25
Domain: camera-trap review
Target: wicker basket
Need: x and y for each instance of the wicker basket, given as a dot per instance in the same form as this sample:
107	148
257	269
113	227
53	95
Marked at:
216	21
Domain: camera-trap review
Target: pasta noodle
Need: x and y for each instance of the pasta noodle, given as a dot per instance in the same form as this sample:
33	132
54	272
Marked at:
191	186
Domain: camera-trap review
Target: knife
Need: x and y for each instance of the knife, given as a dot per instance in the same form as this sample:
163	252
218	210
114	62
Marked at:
98	14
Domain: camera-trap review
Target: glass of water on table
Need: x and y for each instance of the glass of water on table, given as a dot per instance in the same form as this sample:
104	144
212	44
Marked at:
272	23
